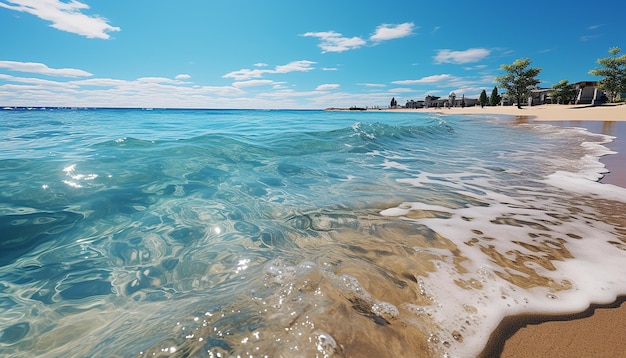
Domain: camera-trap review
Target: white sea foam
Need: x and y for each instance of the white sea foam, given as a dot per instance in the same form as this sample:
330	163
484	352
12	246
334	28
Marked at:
532	222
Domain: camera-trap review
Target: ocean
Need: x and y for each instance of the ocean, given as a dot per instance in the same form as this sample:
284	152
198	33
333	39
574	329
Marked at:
225	233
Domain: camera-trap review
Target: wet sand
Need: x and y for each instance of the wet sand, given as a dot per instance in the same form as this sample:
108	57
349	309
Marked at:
600	330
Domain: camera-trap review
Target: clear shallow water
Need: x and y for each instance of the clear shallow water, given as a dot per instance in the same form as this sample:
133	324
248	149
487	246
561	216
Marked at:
294	233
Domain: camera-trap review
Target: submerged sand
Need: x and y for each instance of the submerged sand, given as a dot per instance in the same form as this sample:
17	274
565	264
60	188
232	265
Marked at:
599	331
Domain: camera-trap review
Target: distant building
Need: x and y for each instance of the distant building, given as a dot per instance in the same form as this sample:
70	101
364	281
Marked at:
433	101
414	104
588	93
539	96
453	101
442	102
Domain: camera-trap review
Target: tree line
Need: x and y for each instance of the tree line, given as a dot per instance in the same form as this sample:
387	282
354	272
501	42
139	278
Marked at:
520	79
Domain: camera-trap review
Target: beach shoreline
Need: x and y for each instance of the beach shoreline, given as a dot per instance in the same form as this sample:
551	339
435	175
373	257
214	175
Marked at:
599	330
546	112
608	119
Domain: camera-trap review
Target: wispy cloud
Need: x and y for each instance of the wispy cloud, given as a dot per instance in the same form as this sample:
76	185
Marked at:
163	80
99	82
588	37
475	68
372	84
106	92
386	32
426	80
459	57
65	16
294	66
35	81
254	83
332	41
245	74
401	90
178	92
40	68
327	87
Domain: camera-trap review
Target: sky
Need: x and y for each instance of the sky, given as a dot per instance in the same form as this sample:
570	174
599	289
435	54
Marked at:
285	54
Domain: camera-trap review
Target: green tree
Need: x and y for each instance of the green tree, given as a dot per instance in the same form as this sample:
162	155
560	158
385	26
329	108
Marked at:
393	103
483	99
563	92
495	98
519	80
614	72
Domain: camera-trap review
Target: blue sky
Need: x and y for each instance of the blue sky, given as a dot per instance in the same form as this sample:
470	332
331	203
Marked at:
287	54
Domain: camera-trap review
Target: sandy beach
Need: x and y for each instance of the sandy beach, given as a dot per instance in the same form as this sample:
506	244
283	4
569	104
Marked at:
600	330
549	112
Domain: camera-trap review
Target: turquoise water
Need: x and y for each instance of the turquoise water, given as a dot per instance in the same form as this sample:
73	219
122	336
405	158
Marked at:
293	233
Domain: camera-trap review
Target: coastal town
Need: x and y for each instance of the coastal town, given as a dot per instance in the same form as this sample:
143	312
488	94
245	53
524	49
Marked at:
583	93
586	93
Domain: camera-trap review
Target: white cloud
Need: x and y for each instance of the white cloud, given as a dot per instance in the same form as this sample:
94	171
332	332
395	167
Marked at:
158	80
100	82
458	57
108	92
372	84
588	37
65	16
40	68
283	93
401	90
389	31
245	74
34	81
261	64
155	91
150	92
327	87
294	66
425	80
253	83
183	76
332	41
330	69
475	68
